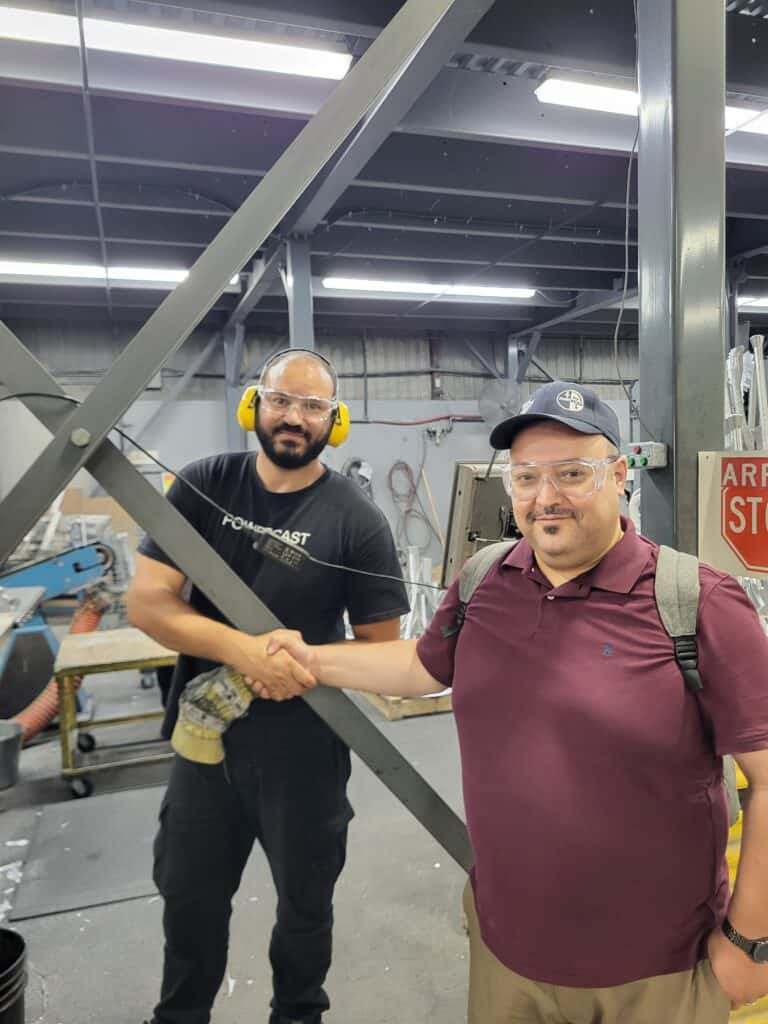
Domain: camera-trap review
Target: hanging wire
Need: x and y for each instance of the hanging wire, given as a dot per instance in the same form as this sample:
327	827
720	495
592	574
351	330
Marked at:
220	508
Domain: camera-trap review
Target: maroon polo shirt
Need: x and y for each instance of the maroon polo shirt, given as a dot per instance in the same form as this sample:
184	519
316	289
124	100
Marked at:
592	776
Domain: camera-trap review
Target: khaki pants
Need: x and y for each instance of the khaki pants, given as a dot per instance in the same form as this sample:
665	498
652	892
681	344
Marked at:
499	996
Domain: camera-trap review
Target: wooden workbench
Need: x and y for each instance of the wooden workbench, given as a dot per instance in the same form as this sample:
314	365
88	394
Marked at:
82	654
109	650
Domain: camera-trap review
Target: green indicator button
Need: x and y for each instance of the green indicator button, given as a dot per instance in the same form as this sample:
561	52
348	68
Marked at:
631	462
642	462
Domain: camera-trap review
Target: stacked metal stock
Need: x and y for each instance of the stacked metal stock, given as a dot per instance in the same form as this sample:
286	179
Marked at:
746	429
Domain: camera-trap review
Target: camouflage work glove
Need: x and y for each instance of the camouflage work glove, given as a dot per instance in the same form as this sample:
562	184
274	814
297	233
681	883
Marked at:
207	707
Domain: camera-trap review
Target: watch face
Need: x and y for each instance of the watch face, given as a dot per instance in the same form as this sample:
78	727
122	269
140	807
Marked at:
760	953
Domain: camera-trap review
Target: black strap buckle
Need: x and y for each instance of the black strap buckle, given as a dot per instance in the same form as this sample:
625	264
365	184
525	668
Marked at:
687	657
458	622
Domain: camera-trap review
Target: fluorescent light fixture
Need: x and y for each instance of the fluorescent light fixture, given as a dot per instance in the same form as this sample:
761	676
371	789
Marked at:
736	117
354	284
172	44
68	272
759	126
588	96
155	275
753	302
612	100
38	27
14	268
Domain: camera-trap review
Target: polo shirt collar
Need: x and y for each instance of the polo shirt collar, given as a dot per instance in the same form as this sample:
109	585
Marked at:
618	571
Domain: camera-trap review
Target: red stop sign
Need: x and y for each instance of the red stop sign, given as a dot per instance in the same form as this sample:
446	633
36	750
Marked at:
744	511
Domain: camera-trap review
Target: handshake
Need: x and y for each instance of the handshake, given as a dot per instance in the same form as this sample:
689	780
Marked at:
276	666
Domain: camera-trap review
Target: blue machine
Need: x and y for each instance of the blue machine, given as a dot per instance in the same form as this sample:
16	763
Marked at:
30	643
64	573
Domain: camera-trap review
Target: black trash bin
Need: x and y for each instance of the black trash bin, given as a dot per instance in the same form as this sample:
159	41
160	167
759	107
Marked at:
13	977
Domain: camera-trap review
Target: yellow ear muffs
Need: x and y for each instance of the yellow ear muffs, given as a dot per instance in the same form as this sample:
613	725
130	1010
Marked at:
340	429
246	410
249	403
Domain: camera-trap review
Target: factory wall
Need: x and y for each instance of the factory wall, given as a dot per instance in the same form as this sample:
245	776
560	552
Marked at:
82	353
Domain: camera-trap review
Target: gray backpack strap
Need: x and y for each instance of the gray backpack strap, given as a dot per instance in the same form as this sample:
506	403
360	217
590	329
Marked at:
472	574
677	598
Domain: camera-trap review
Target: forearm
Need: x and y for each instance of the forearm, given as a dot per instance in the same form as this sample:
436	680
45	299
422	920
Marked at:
168	619
748	912
389	668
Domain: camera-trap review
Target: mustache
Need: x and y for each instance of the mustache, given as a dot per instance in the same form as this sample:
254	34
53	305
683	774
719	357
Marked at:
550	510
285	427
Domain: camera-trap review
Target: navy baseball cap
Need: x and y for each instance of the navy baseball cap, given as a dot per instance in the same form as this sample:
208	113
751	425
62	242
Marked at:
572	405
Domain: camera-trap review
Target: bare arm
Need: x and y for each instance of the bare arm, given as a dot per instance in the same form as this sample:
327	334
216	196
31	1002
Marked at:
155	605
390	668
748	912
743	980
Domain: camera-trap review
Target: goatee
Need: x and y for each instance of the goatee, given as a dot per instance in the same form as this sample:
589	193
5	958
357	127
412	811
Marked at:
286	458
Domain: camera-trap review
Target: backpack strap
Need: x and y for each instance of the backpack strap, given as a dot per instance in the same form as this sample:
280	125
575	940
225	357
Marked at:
676	589
677	598
471	575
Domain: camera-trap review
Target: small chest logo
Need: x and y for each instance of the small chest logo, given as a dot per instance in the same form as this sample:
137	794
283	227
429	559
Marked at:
607	650
571	400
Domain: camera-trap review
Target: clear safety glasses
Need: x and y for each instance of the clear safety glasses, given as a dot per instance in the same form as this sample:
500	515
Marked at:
574	478
309	407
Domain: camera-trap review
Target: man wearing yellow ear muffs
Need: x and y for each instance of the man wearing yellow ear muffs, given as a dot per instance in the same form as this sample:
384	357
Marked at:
272	772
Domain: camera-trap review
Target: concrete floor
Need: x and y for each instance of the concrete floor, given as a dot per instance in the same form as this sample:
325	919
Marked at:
400	952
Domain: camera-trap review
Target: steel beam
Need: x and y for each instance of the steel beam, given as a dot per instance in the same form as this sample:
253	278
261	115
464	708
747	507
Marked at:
681	183
22	373
264	273
233	369
525	357
485	363
298	289
357	100
459	20
479	228
589	302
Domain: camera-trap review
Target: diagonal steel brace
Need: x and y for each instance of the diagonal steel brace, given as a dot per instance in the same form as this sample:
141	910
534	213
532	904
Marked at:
194	557
364	93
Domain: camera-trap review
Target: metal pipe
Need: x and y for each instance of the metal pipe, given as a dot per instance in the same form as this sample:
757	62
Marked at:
92	151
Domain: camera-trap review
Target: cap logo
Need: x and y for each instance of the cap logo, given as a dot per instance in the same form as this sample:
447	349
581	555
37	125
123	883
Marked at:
571	400
526	406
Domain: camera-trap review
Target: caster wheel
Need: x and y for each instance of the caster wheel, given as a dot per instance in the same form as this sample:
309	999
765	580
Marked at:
85	742
81	788
147	681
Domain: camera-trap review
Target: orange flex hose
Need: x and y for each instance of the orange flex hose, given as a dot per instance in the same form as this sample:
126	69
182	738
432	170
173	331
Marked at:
44	708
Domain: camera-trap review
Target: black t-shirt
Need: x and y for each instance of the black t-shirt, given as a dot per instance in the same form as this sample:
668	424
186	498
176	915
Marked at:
333	519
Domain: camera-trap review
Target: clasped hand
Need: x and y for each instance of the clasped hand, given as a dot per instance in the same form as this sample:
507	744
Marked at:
280	667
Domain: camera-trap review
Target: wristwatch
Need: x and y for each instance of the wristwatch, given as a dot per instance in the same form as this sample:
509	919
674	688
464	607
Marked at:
756	949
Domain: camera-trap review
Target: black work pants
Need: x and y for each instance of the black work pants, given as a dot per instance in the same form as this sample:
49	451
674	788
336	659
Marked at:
283	783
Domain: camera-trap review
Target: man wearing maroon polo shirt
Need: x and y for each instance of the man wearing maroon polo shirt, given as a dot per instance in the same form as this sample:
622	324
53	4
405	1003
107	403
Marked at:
592	776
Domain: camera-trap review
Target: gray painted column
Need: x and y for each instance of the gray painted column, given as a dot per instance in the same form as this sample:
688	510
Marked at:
681	196
233	365
298	288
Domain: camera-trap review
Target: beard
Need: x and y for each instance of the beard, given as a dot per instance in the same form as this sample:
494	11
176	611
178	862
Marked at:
291	458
